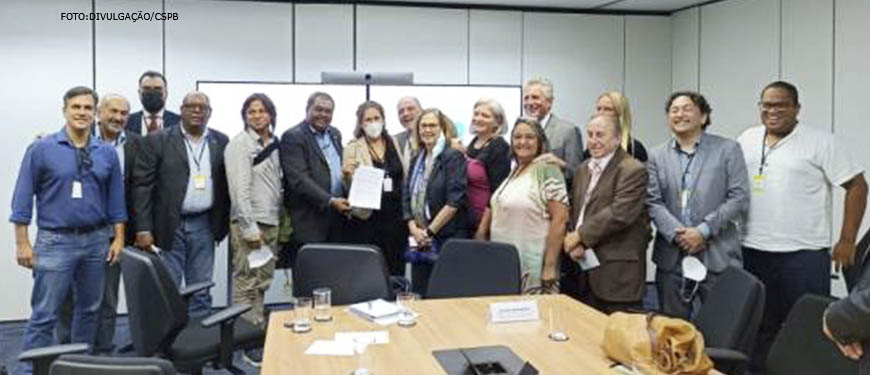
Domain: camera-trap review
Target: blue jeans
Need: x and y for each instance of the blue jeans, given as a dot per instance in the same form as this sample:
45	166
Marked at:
192	259
66	263
104	343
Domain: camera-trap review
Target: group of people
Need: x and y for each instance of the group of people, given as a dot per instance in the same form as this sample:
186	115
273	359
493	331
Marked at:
581	217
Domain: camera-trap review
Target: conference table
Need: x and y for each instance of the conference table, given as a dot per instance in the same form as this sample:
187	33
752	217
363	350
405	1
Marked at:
448	324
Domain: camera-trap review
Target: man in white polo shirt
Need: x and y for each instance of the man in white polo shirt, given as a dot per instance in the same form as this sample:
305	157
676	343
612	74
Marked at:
792	172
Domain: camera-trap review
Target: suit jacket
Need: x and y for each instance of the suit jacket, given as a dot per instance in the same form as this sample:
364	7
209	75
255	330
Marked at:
849	318
134	122
719	199
307	182
131	150
615	225
566	142
447	185
160	178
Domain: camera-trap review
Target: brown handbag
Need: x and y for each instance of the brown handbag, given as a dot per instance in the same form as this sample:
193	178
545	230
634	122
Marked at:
655	344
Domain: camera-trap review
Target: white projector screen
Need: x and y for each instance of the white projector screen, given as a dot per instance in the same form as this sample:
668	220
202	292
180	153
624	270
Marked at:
454	100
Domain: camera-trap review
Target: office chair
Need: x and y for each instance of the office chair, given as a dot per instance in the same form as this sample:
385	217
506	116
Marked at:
730	317
159	324
801	348
354	273
42	358
469	268
73	364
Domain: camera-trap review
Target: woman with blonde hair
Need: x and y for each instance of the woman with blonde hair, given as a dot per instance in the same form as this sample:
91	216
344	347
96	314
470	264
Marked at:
615	104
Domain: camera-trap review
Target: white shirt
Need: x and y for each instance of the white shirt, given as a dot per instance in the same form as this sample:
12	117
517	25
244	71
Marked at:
146	116
791	209
546	120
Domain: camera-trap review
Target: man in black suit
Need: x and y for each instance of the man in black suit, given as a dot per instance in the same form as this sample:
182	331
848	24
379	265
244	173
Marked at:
181	198
311	159
847	321
153	117
112	113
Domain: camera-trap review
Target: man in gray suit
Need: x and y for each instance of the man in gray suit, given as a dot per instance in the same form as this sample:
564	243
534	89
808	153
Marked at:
847	321
409	109
698	190
565	139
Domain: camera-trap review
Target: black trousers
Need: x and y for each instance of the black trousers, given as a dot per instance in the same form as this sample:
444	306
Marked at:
786	276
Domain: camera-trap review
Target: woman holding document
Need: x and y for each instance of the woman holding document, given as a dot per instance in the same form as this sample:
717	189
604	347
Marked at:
373	147
435	200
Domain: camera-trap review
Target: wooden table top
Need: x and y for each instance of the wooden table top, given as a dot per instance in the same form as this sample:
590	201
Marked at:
448	324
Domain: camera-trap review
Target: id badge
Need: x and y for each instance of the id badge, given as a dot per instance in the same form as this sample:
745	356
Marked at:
388	185
758	182
199	181
76	190
685	194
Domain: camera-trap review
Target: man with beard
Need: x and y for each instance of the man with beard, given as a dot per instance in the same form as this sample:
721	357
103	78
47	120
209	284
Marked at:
112	114
153	117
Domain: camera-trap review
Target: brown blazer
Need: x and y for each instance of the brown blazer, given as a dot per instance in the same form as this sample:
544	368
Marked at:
616	225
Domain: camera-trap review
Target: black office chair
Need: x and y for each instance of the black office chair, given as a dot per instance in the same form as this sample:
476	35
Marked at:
52	361
159	324
72	364
730	317
42	358
469	268
354	273
801	348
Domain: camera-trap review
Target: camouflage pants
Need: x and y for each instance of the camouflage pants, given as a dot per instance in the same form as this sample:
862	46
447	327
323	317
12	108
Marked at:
249	285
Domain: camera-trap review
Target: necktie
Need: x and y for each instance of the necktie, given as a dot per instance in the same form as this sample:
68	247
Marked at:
596	175
152	124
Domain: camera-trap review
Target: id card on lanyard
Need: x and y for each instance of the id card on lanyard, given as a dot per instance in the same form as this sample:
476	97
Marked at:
199	178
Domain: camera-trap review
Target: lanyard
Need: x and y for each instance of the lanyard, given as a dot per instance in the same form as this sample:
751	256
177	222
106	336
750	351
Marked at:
686	170
372	152
197	159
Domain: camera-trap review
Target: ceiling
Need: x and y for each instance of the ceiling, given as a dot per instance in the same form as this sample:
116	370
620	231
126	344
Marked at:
579	5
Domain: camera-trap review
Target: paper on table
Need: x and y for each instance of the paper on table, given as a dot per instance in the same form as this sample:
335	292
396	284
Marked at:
379	337
330	347
589	260
366	188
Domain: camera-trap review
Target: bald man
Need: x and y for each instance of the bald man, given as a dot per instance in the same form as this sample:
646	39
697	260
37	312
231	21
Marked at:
181	199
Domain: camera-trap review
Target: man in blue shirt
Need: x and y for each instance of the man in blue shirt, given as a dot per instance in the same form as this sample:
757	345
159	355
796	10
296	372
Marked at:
79	193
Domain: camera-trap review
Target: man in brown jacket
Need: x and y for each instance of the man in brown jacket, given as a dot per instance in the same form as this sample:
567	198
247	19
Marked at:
609	221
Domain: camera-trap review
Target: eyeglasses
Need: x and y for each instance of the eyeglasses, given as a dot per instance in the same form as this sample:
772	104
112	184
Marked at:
196	107
775	106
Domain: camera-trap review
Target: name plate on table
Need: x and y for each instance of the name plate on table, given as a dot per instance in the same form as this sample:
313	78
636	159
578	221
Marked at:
519	311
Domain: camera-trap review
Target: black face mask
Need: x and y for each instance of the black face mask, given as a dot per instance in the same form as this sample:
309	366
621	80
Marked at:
152	101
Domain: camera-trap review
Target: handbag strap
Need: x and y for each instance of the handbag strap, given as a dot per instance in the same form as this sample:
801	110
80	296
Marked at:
263	155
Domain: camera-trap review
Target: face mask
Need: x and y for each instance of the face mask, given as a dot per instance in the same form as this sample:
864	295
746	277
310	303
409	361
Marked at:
152	101
694	272
373	129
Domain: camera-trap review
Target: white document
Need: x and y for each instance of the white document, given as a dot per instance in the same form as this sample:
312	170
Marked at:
376	309
504	312
589	260
379	337
330	347
259	257
366	188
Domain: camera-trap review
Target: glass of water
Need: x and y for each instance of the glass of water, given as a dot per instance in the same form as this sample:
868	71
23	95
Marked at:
302	315
361	344
405	301
322	304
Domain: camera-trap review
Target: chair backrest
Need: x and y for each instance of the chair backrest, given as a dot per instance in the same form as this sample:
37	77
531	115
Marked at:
354	273
76	364
732	313
801	348
156	311
469	268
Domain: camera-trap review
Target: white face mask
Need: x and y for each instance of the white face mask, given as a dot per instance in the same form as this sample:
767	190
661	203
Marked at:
373	129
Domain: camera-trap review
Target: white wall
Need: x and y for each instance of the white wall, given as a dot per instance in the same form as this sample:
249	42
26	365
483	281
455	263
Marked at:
241	40
819	45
